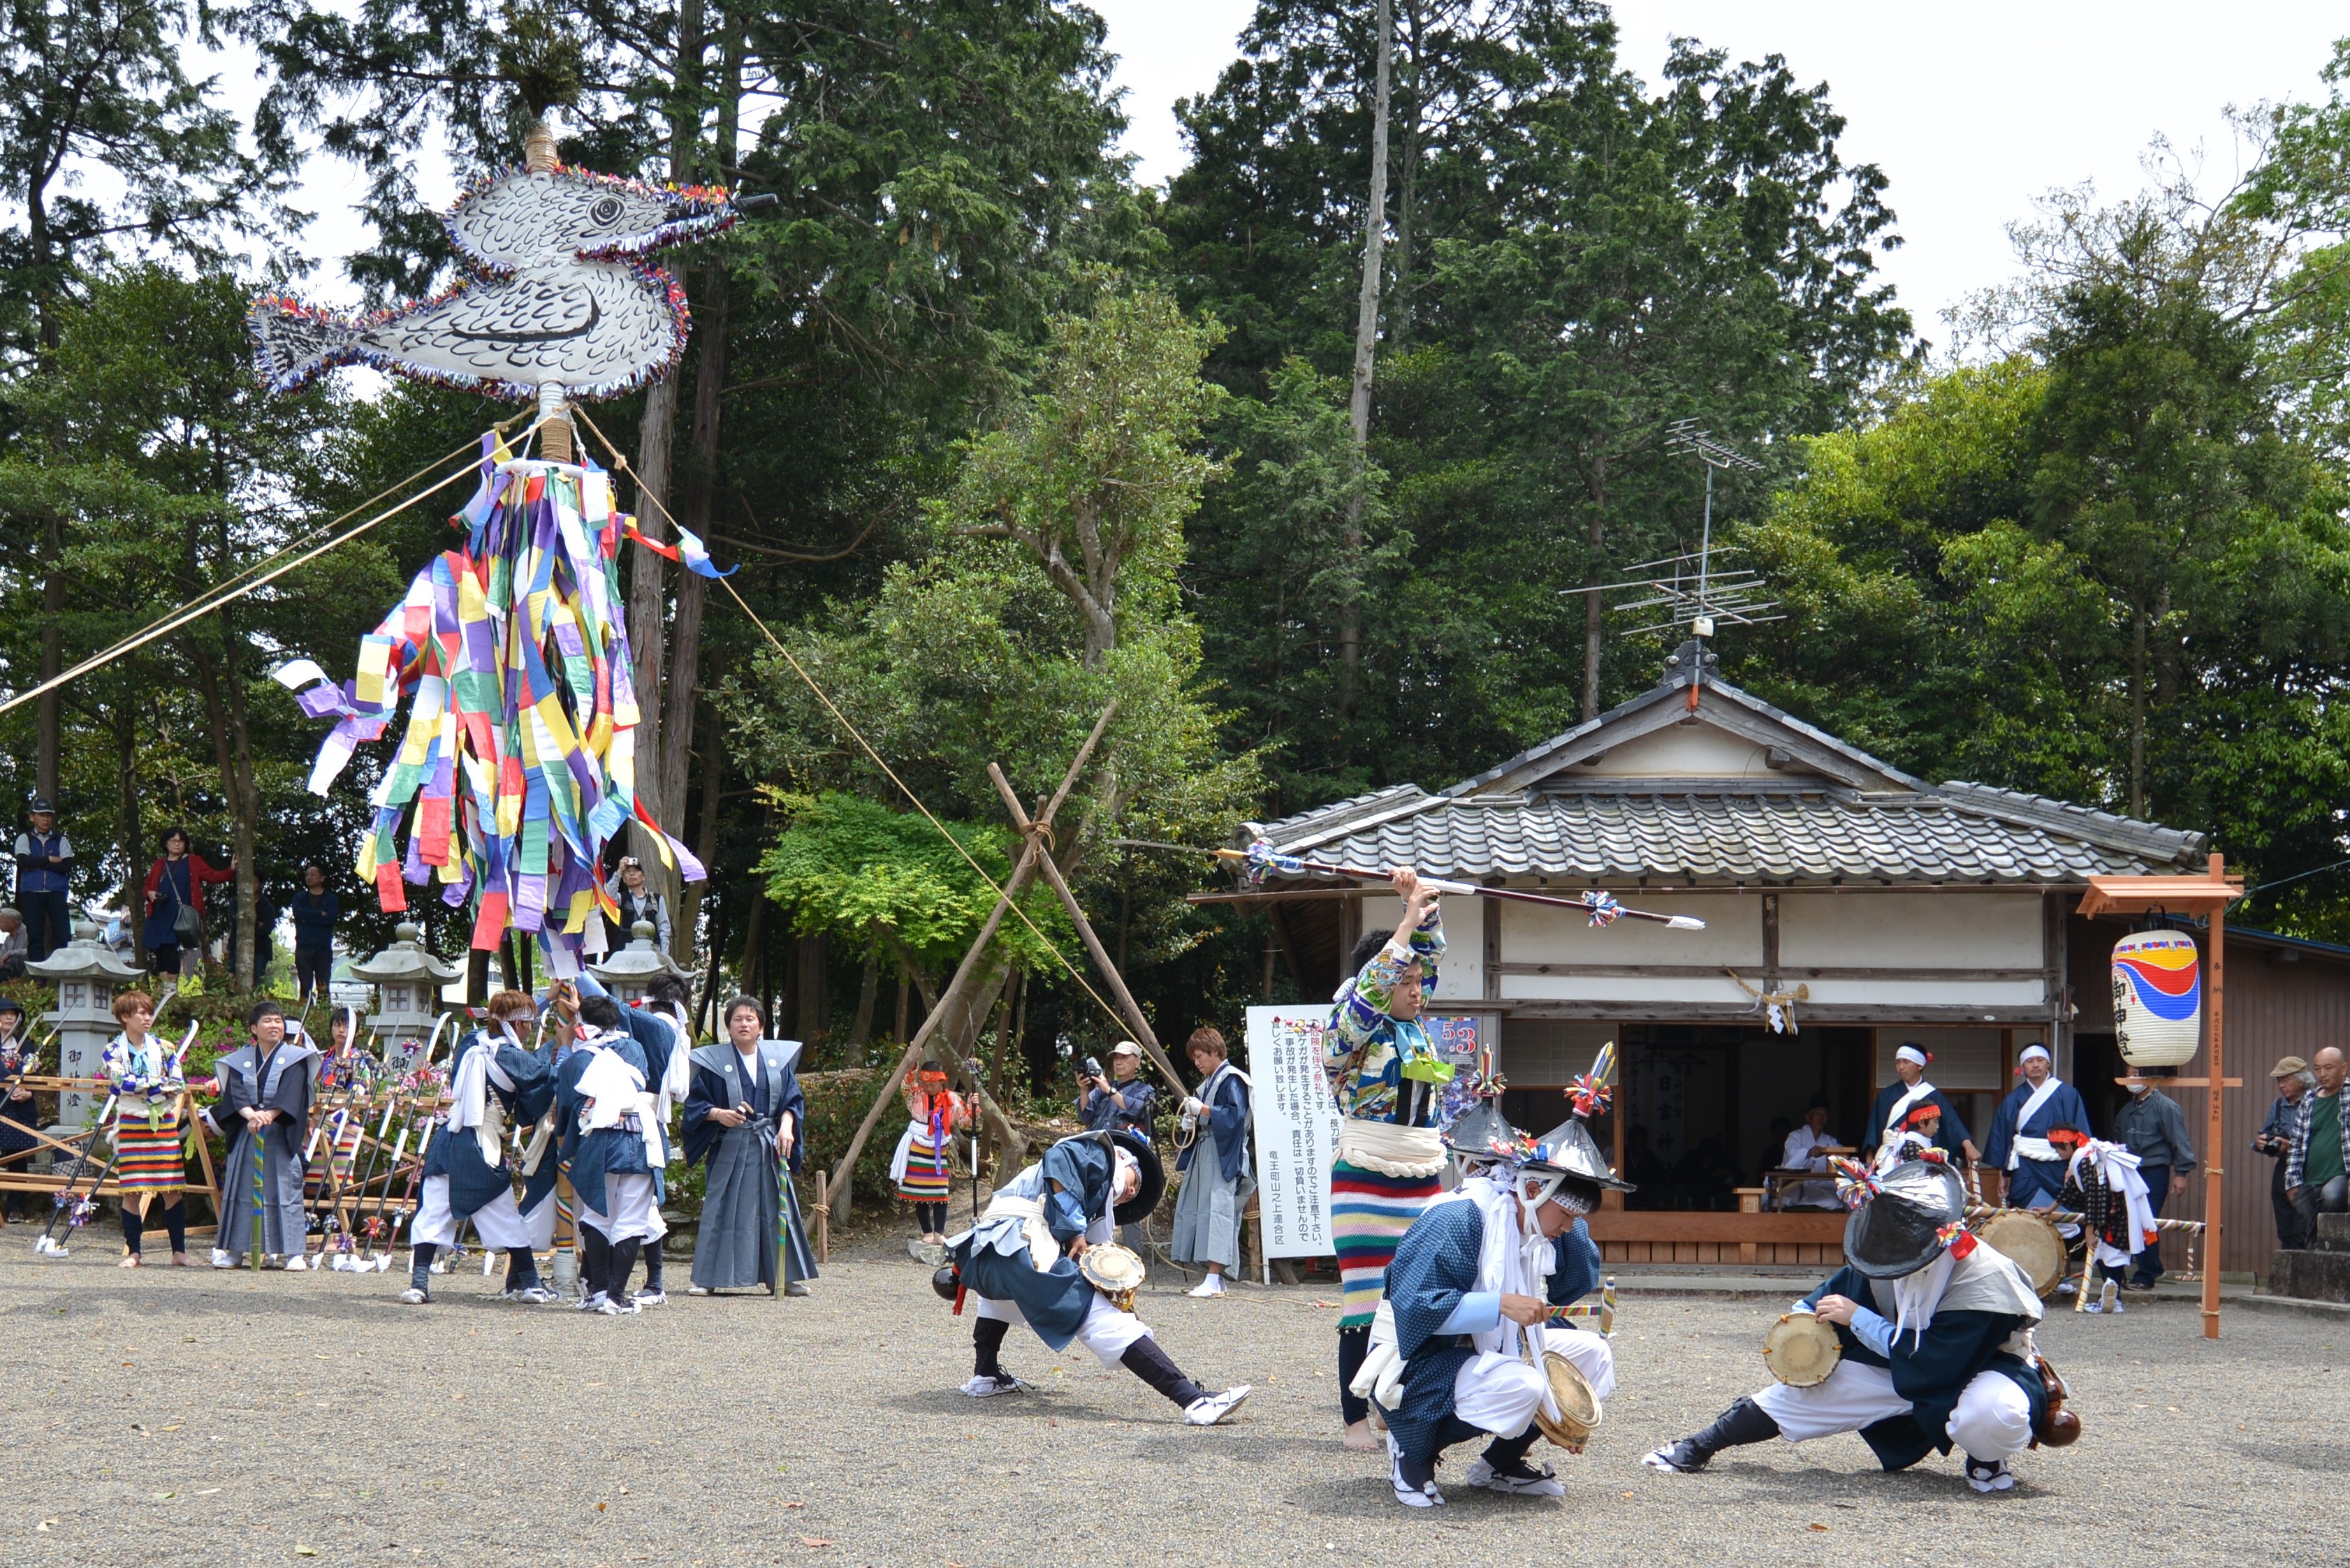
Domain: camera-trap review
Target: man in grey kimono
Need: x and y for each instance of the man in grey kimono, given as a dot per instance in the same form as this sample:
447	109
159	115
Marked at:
744	1110
263	1110
1216	1180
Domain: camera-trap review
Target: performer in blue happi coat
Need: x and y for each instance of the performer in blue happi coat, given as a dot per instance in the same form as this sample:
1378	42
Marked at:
496	1080
660	1030
1889	1117
1953	1363
744	1113
263	1110
2040	1107
612	1144
1471	1293
1022	1258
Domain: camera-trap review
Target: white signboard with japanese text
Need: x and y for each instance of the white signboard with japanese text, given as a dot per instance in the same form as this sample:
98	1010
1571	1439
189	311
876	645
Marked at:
1296	1129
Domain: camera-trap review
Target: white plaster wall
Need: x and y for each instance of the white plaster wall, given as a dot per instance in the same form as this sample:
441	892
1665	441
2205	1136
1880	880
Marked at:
1683	751
1461	976
1534	933
1948	929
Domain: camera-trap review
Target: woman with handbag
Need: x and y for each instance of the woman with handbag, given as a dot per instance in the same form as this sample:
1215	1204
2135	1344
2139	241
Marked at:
175	904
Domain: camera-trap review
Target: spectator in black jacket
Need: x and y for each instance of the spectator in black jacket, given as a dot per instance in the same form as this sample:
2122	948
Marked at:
44	861
316	910
2274	1139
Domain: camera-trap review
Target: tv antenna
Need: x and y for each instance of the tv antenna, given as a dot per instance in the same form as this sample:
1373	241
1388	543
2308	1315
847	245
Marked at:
1696	590
1689	439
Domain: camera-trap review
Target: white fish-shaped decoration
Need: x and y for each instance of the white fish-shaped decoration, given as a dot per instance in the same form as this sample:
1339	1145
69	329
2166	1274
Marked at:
561	292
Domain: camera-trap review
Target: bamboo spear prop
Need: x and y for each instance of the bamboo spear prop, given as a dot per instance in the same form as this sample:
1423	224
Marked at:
46	1245
1260	860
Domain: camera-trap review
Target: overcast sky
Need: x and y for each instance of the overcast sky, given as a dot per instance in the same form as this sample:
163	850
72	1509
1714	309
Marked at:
1971	111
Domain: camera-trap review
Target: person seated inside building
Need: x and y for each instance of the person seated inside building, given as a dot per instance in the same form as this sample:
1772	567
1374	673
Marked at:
1807	1147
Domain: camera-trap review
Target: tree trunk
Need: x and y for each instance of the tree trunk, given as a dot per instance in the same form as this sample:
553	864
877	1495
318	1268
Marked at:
1594	613
813	955
129	838
1407	182
656	443
2138	714
48	723
750	974
686	927
1003	1012
711	313
217	683
1359	405
905	995
869	992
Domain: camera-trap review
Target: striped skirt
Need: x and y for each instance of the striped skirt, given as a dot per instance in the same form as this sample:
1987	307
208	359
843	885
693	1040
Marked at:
920	1170
1368	1215
150	1159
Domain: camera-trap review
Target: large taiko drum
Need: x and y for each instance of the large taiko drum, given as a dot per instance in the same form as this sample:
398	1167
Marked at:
2032	1239
1800	1350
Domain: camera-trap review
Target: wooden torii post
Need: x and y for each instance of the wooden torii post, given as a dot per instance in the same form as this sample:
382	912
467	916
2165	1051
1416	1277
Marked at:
2210	896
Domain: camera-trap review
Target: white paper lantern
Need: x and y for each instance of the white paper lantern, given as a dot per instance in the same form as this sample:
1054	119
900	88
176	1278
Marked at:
2157	999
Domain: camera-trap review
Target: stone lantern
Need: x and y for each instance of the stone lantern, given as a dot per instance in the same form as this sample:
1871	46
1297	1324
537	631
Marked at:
408	981
630	972
88	976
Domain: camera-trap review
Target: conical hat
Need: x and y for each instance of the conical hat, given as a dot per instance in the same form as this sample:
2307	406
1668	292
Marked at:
1482	1129
1570	1148
1896	1229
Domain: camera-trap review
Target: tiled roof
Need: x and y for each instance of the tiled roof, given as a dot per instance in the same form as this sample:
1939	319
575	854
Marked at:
1833	813
1963	833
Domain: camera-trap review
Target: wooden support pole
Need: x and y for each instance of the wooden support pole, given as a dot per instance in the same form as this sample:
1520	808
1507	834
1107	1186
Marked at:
2214	1134
1127	1005
1024	876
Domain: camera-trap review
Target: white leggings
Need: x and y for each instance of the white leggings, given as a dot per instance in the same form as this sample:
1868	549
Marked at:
1992	1419
499	1223
1107	1332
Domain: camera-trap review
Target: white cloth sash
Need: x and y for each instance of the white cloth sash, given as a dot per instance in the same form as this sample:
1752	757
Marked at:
2043	1149
1042	1251
614	1090
1390	1150
1919	1094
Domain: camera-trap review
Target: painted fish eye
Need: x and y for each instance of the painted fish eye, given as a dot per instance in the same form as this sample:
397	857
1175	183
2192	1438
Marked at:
606	210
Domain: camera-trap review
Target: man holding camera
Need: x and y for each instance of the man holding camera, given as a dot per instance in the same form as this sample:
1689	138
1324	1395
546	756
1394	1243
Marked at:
1120	1103
2274	1139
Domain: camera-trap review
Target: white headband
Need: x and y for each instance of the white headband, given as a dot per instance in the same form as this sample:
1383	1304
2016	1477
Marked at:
1910	1054
2032	1051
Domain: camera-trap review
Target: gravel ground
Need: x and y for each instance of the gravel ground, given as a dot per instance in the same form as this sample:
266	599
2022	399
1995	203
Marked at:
172	1416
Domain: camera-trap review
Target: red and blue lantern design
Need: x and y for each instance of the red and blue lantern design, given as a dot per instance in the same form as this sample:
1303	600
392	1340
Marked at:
2157	998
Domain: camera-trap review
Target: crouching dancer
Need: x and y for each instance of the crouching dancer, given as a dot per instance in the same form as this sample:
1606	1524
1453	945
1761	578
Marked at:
1023	1256
1470	1293
494	1081
1954	1364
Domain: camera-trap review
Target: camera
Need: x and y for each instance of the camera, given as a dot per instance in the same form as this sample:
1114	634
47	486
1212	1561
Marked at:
1093	1067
